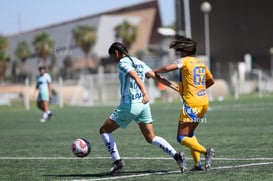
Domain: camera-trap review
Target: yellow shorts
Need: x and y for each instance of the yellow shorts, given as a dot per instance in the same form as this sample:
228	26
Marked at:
193	114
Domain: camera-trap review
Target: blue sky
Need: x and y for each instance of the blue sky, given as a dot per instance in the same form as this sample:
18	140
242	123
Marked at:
16	15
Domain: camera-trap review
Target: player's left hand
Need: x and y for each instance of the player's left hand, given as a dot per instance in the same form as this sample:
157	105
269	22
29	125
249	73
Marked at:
145	99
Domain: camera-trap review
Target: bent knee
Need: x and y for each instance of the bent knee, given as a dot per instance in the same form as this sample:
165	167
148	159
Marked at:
179	138
108	127
102	130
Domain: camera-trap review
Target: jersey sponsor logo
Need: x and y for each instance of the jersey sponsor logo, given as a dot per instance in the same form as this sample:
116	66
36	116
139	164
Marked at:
201	92
136	96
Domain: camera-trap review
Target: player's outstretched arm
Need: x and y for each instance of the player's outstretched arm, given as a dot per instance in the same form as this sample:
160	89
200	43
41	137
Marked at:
162	80
167	68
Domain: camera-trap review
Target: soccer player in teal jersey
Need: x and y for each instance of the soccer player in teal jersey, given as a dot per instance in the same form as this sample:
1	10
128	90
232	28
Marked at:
44	93
134	105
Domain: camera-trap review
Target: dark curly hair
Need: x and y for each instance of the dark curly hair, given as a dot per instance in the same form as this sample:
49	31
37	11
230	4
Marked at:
184	45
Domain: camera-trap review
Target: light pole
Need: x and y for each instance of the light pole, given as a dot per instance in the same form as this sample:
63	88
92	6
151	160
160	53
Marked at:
271	61
178	22
206	8
187	18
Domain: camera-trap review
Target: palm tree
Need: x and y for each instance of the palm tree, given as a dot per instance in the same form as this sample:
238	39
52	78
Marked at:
126	32
85	37
3	57
22	51
44	45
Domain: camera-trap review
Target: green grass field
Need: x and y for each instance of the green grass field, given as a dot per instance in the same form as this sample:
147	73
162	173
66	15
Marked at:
240	131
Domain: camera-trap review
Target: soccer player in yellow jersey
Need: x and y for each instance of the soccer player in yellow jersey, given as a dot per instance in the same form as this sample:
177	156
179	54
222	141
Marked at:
194	79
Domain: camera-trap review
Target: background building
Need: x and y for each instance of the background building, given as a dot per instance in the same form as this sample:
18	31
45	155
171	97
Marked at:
145	16
236	28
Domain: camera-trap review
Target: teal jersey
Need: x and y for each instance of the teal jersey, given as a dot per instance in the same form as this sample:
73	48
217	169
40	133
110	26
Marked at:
129	90
42	83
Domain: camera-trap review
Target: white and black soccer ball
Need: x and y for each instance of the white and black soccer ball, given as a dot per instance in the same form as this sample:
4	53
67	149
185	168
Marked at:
81	147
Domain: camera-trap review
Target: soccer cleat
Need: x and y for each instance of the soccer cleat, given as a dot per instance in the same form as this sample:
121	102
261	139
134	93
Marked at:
181	161
208	158
196	168
49	115
117	165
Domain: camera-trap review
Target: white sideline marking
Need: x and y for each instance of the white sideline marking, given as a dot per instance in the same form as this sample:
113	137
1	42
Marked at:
145	158
244	165
170	172
125	158
129	176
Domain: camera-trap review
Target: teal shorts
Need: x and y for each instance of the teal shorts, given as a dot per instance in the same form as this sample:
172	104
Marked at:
124	114
43	97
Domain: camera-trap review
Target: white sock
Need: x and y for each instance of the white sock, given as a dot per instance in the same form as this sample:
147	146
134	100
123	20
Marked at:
48	112
164	145
45	115
110	145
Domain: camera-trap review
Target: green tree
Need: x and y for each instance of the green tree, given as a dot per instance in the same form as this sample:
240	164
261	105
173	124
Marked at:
126	32
44	45
22	51
3	43
4	59
85	37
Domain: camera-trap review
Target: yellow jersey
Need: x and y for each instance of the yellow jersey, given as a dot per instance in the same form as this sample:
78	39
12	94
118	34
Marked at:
193	74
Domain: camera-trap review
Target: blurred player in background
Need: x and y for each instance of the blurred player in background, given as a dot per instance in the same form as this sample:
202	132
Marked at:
194	79
43	87
134	105
163	91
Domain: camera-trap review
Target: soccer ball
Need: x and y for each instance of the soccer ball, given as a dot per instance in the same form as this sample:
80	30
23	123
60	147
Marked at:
81	147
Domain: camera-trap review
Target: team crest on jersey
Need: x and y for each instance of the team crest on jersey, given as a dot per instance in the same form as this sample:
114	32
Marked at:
139	69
